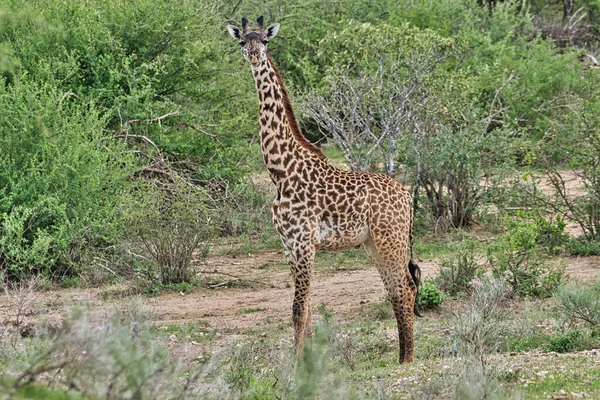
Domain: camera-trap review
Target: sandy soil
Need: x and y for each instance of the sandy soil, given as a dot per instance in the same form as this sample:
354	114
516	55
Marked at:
271	293
261	299
261	295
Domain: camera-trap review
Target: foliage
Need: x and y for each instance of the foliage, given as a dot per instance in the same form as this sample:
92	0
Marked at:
430	296
583	246
477	331
453	166
550	236
573	340
373	96
60	181
200	370
459	269
235	201
240	374
172	224
138	61
579	303
118	359
78	78
518	256
477	328
581	205
493	91
300	52
525	343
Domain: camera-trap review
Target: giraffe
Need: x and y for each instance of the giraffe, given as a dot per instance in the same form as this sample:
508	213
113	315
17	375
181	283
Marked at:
320	207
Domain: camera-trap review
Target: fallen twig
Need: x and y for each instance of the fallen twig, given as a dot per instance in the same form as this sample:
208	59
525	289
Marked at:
230	275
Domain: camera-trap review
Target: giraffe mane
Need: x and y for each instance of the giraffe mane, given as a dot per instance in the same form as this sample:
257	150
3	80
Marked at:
289	113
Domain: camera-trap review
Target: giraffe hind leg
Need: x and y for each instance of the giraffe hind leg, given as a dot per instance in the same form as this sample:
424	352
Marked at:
401	290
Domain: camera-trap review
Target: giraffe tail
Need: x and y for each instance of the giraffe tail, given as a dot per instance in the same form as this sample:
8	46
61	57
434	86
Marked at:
413	268
415	273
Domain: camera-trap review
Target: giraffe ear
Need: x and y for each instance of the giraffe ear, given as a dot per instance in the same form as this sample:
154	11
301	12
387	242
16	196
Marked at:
271	31
235	32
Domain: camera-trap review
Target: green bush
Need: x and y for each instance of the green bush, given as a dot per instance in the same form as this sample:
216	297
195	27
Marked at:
430	296
518	256
171	223
579	303
60	181
240	374
459	269
573	340
552	236
564	343
583	246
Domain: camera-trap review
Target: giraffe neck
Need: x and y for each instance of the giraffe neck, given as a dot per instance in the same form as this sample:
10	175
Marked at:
283	146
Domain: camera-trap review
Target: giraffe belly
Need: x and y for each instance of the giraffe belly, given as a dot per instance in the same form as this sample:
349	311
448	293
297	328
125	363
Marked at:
340	235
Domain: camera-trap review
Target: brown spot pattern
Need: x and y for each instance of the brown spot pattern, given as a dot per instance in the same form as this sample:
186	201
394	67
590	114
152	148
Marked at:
319	207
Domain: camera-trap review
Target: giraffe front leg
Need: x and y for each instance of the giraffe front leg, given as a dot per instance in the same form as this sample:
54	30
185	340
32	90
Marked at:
301	260
300	314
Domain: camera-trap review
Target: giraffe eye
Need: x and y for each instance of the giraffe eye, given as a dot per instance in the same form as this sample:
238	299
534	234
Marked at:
265	41
242	43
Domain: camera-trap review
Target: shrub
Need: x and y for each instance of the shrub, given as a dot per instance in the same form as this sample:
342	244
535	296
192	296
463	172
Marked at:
519	257
577	152
240	373
579	303
116	359
477	331
60	181
430	296
551	235
460	269
171	222
74	76
564	343
573	340
235	201
583	246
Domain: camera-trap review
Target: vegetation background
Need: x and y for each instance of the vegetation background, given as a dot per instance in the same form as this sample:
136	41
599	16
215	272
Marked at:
129	148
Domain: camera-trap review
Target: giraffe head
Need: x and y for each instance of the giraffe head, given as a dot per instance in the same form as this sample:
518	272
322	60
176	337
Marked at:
253	41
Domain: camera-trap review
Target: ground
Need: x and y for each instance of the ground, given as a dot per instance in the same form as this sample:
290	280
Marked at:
244	301
249	297
255	288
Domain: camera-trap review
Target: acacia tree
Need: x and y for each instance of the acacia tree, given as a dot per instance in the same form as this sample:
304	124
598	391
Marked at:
369	108
411	109
369	114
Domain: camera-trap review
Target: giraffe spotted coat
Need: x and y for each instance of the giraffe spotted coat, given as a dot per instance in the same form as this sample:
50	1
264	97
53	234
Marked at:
319	207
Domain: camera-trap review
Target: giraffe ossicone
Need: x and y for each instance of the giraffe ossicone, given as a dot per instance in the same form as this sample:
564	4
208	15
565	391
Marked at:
319	207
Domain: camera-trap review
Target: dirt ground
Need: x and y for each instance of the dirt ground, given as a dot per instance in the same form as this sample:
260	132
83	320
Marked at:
260	297
344	291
